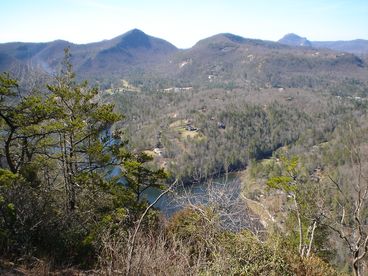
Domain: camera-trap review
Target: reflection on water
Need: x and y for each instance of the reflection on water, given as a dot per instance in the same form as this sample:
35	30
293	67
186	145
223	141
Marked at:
196	193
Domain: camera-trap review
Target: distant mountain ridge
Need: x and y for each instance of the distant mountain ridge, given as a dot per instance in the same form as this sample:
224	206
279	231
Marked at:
227	60
357	46
222	60
132	50
295	40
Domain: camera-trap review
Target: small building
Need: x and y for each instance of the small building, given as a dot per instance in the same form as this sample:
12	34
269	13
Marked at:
191	128
221	125
158	151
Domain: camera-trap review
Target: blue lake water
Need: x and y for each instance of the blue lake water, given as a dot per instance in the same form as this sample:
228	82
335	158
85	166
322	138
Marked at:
196	193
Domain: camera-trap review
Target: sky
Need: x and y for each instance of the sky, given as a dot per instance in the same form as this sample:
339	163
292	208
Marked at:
181	22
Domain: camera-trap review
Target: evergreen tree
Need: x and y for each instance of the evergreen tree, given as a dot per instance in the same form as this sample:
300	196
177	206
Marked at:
57	189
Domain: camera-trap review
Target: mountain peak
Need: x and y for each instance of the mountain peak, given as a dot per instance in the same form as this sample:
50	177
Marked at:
295	40
234	38
135	31
134	39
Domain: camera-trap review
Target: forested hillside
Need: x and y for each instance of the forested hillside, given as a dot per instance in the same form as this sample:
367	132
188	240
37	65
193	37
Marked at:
261	147
221	61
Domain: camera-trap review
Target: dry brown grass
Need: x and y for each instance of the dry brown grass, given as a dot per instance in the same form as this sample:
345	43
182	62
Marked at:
153	254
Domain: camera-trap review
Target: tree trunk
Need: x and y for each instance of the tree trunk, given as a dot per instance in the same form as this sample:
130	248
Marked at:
67	175
9	159
355	266
311	238
301	238
71	174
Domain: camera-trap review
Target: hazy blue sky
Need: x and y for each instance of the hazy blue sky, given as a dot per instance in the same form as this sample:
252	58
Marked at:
182	22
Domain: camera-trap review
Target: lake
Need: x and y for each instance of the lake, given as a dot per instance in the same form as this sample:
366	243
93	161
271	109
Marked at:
196	193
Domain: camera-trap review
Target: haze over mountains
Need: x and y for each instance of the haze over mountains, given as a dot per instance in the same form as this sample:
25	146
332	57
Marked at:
220	60
116	56
356	46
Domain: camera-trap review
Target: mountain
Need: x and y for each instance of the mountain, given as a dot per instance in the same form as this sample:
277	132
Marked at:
295	40
357	46
227	60
133	50
223	60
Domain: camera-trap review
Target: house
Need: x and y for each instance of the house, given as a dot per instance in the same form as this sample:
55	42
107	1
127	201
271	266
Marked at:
191	128
157	151
221	125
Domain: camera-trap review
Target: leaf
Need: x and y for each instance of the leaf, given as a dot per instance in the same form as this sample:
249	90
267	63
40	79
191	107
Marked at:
6	177
279	182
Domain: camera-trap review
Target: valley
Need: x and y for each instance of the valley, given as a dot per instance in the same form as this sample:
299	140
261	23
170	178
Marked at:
265	142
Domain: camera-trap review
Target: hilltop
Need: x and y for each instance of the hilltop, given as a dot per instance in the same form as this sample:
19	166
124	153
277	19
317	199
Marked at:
356	46
133	50
222	60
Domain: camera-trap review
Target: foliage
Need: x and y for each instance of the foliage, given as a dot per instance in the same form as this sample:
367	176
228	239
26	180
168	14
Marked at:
305	216
139	177
221	252
70	182
57	187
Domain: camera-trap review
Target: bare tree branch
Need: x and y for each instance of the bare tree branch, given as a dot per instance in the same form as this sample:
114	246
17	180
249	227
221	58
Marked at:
138	225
